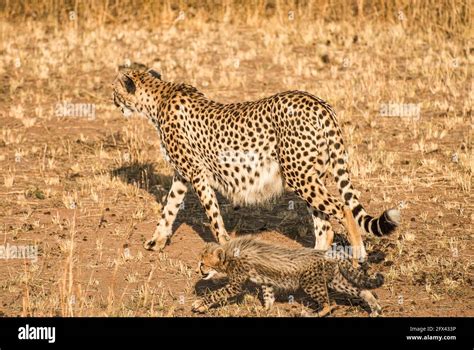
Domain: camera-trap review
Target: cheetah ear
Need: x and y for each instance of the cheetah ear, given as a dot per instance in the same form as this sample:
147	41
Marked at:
219	254
154	73
128	83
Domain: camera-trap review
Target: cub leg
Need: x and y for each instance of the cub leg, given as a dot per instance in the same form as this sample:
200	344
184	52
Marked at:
268	296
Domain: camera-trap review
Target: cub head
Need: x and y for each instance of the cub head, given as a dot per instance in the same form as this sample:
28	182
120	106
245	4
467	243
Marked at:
132	89
211	260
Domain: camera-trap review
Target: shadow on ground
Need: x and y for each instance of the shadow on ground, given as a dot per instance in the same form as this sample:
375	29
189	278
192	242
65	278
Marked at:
297	296
287	214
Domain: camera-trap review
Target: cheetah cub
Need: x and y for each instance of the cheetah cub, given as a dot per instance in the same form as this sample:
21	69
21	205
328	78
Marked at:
275	267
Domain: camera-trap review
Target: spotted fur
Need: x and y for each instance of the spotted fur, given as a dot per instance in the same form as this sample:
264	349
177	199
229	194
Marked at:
249	151
277	268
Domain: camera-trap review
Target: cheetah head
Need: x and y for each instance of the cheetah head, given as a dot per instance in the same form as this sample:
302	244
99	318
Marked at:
211	261
131	87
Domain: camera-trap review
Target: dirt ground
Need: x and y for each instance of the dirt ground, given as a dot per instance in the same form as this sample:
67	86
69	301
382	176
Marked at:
87	190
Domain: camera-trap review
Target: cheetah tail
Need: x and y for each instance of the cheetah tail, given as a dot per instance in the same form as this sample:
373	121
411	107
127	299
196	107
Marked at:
383	225
359	277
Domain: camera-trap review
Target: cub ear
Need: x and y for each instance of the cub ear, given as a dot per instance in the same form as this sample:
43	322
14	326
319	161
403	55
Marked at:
128	83
219	254
154	73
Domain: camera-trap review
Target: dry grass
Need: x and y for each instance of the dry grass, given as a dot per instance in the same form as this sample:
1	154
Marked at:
86	189
452	17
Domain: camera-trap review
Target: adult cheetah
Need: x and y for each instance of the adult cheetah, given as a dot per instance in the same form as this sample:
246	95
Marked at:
248	151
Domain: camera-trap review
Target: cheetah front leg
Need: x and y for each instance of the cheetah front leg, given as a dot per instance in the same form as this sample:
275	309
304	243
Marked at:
268	296
208	200
163	230
231	290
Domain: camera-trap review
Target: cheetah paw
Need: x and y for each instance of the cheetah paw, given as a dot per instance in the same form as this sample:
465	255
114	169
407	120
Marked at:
376	312
199	306
326	310
156	245
268	305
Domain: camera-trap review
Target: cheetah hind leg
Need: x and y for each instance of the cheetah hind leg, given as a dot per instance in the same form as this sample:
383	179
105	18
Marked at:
358	250
375	308
323	232
341	285
321	200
